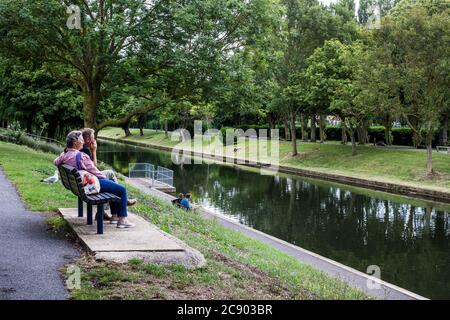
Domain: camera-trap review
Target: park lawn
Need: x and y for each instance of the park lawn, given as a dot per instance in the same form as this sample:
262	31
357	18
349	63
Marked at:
238	267
385	164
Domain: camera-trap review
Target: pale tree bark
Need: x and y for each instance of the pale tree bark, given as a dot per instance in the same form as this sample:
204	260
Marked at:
362	133
343	135
430	170
387	134
293	135
304	123
322	128
351	133
388	130
313	127
166	128
413	123
287	130
92	97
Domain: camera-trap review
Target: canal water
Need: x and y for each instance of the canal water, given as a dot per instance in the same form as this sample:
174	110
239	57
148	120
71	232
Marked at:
408	239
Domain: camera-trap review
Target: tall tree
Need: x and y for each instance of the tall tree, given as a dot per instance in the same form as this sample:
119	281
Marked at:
159	33
415	38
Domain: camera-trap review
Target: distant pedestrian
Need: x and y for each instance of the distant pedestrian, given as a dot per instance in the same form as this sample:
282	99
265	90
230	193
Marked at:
186	202
177	202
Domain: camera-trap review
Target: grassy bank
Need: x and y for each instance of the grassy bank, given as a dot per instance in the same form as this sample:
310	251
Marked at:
384	164
238	267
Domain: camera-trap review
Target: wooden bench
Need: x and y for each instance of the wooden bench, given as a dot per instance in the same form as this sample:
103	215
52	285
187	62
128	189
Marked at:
443	148
71	180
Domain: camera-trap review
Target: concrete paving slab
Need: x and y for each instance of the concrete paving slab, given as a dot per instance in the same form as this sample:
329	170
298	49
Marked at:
144	237
145	241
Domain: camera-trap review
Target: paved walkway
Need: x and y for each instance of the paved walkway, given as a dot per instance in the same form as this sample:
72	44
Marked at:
30	255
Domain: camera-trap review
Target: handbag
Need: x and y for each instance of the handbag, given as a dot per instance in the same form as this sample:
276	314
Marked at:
90	182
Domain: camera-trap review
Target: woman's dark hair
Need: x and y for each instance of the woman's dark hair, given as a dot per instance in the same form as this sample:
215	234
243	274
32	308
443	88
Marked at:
87	133
71	138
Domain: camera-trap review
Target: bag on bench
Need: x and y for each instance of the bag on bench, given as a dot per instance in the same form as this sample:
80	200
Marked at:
91	185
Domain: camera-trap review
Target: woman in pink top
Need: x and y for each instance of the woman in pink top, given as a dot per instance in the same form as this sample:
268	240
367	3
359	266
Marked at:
75	143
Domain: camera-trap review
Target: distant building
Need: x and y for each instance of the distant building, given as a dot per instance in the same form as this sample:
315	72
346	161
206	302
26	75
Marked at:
333	120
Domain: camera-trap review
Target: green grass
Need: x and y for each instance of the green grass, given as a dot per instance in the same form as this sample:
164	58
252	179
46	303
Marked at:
238	267
405	167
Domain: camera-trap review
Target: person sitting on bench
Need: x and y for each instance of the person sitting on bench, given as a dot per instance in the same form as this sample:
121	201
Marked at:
90	148
72	155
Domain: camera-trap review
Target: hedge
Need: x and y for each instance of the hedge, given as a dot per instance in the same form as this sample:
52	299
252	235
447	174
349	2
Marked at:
401	136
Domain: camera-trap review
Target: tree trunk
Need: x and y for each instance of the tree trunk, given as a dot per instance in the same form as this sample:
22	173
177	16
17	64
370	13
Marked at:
141	131
417	139
322	128
351	132
387	133
343	135
166	128
294	135
91	102
271	119
362	133
287	131
126	128
429	156
304	123
365	131
30	124
51	131
313	128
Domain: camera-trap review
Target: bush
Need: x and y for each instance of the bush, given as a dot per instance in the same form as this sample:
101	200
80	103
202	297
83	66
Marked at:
39	144
10	135
20	137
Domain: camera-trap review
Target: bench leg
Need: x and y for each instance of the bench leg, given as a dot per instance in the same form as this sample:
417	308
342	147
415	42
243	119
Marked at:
80	208
89	214
100	213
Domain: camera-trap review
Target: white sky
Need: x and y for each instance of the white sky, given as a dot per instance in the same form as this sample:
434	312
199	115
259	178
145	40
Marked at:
327	1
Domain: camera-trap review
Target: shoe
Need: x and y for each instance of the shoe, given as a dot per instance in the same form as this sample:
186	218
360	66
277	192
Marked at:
124	224
106	217
114	220
131	202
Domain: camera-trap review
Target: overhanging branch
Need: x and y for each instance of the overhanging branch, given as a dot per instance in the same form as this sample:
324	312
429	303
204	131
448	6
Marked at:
126	119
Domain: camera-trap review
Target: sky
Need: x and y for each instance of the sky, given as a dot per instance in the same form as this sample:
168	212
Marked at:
327	1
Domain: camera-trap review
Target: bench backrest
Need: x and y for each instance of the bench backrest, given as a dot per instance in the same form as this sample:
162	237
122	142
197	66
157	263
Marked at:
71	180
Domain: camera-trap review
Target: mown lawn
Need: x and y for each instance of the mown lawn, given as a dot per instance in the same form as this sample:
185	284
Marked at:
238	267
386	164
